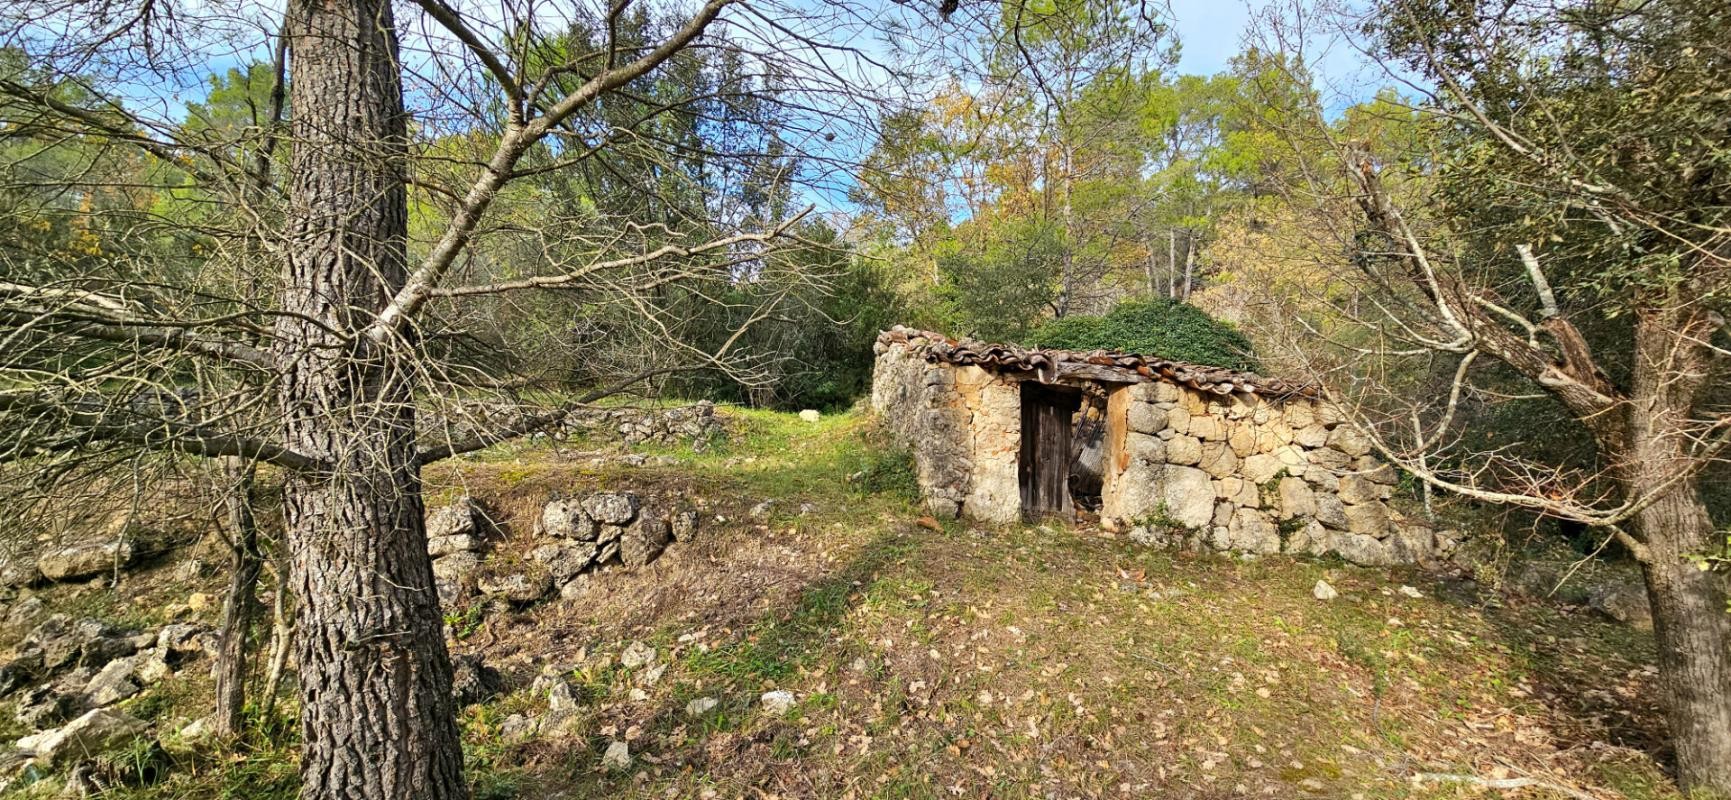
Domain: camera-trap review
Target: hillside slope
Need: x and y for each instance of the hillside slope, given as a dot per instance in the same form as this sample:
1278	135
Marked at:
830	643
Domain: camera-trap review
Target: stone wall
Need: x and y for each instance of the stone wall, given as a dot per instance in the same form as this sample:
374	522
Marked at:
953	419
1180	467
1253	474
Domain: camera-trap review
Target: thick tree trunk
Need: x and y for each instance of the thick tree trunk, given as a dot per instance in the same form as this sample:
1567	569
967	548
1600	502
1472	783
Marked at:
241	608
1693	630
1691	621
377	716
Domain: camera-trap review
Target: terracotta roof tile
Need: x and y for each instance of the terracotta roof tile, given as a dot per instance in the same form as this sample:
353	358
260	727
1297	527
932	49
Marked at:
1096	365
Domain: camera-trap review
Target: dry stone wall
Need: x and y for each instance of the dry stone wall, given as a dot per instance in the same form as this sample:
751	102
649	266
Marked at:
1253	474
1181	467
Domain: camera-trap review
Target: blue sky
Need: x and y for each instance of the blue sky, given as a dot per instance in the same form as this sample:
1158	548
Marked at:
1210	31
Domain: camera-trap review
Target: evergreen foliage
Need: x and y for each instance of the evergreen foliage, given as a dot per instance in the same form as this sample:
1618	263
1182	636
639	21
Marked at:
1158	327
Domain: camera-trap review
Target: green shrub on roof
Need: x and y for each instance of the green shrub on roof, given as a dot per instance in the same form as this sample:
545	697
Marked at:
1158	327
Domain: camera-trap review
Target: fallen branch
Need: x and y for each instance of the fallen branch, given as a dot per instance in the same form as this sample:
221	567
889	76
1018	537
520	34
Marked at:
1503	783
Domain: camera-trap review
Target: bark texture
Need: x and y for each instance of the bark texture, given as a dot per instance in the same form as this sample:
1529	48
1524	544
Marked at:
377	716
241	607
1691	621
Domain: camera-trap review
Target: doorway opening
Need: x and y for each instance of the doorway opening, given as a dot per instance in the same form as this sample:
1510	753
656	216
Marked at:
1048	420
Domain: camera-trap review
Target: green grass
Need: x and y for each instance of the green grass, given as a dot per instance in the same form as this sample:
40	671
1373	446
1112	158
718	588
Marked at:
1009	662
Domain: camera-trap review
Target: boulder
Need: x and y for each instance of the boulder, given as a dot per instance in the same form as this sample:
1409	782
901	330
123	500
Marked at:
1323	591
112	684
84	560
644	539
684	524
463	517
41	706
611	508
1624	602
62	642
1207	428
810	415
564	560
98	731
566	519
472	681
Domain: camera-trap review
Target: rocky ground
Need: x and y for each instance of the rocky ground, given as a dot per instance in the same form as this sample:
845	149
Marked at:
771	617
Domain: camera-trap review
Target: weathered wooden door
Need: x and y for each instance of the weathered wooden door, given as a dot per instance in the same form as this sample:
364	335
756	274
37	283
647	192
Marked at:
1044	470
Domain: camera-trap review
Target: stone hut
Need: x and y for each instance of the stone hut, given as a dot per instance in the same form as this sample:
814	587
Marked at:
1171	453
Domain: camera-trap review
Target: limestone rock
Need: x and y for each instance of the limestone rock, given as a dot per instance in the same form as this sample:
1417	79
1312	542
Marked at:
683	524
1178	420
611	508
112	684
1359	489
1311	436
1242	439
637	654
1239	492
701	705
1252	531
1145	447
618	755
463	517
644	540
186	639
1189	495
17	572
96	732
1370	519
1218	459
564	560
1208	428
1296	498
520	588
1330	511
1375	471
1323	591
19	672
446	545
566	519
1312	539
41	706
1348	440
1624	602
777	702
1146	418
83	560
1183	450
810	415
1359	549
1261	468
472	681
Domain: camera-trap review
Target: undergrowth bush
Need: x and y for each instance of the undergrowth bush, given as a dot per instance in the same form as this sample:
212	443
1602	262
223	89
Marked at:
1159	327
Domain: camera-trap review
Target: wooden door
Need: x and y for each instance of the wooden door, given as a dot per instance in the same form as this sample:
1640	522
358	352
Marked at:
1044	470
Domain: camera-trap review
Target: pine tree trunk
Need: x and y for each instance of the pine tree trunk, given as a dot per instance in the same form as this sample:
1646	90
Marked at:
377	715
241	607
